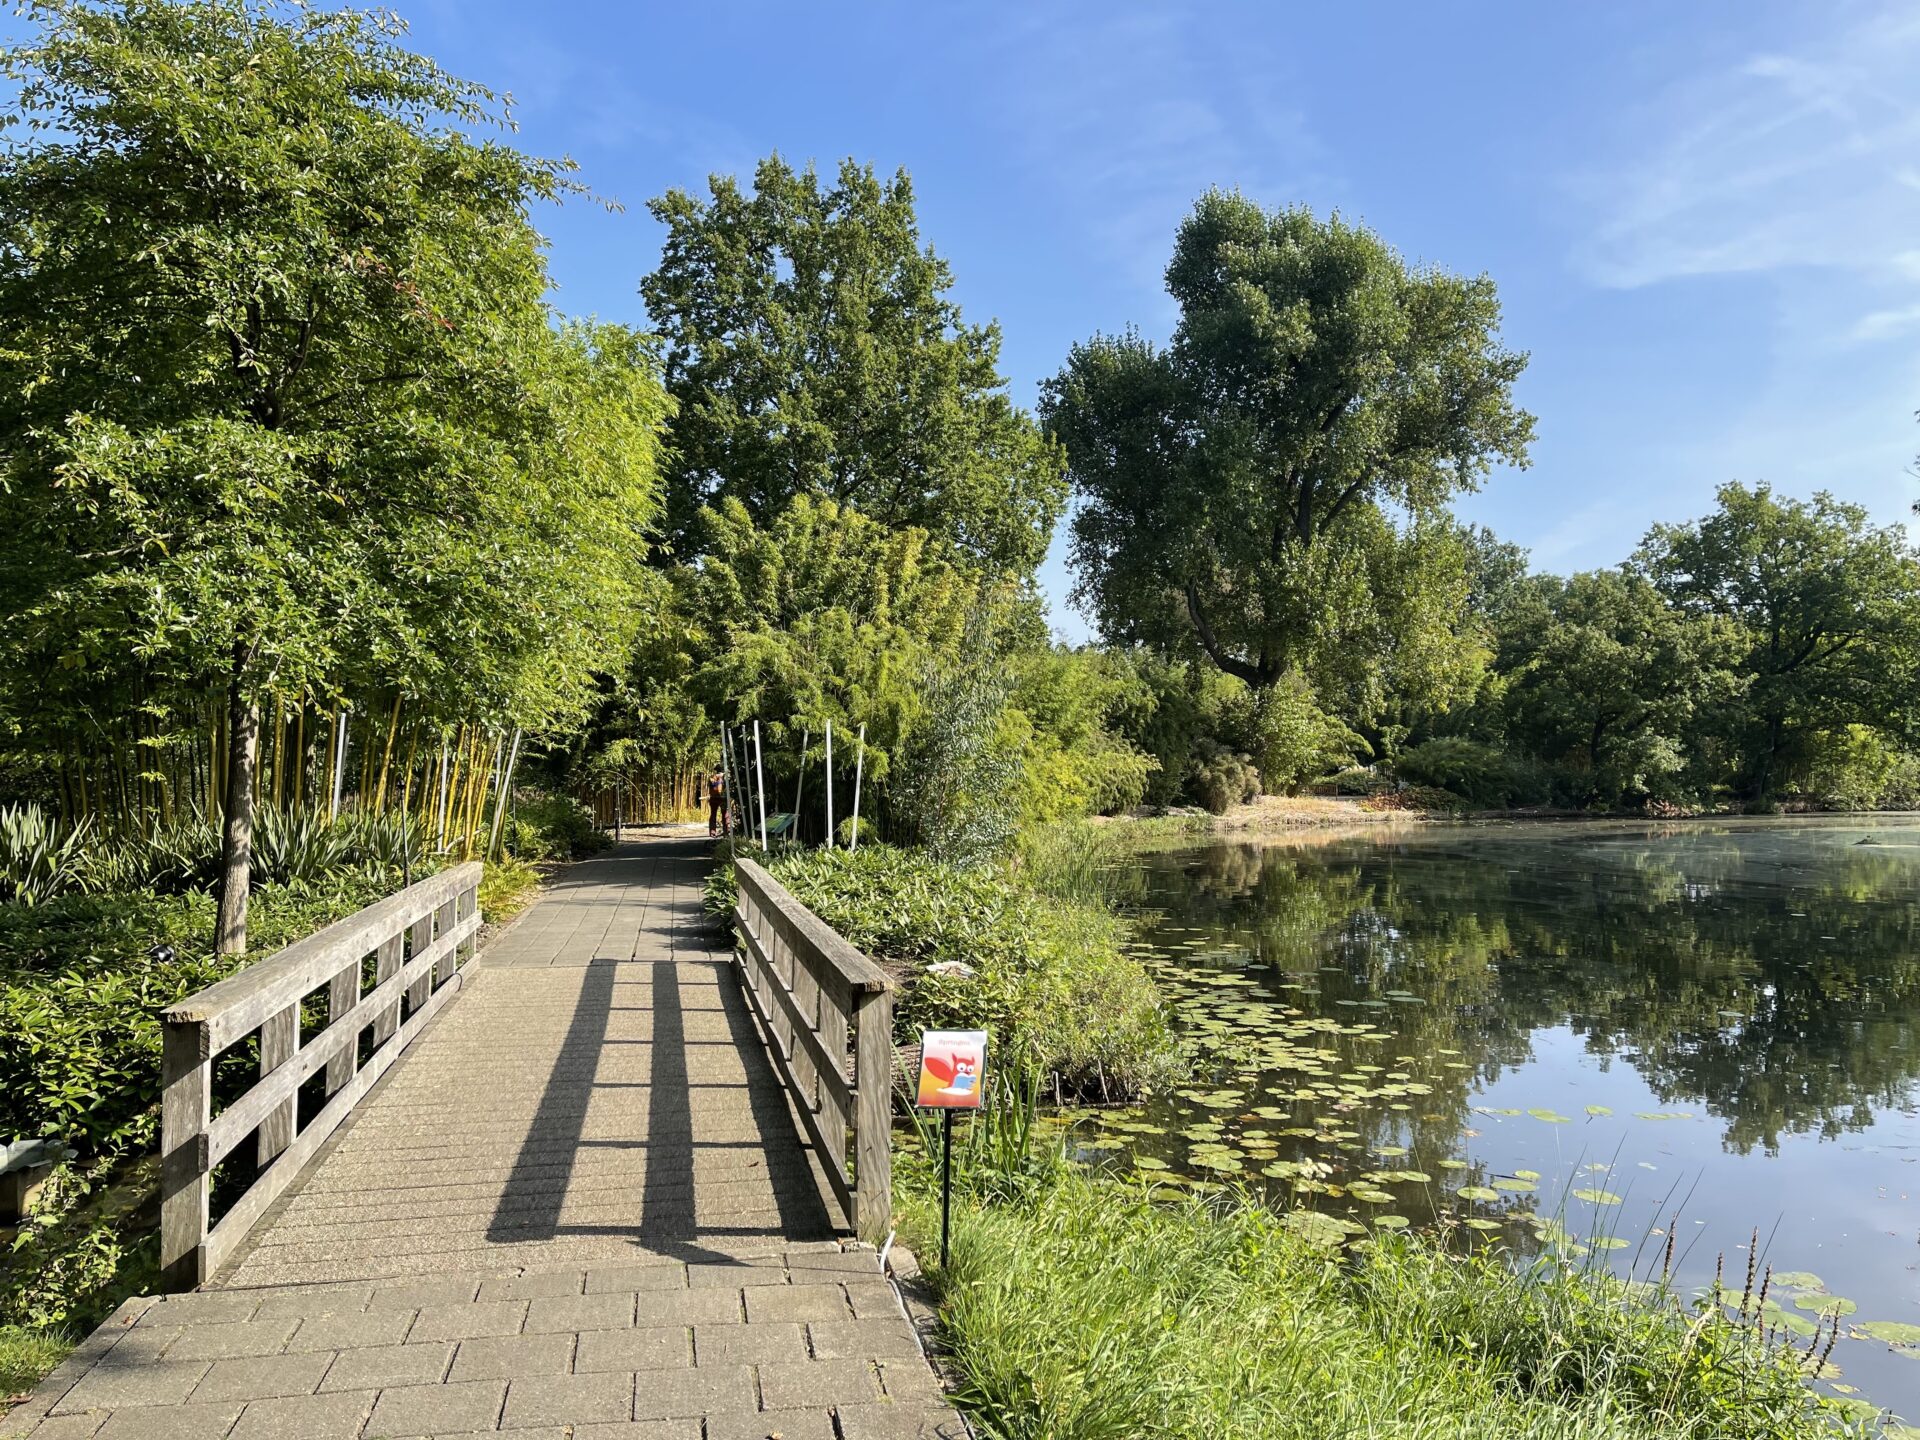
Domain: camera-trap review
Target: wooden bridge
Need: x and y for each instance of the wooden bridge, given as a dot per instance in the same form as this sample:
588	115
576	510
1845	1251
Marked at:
607	1193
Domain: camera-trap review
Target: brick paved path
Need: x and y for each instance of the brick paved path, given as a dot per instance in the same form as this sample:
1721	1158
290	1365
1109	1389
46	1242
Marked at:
578	1209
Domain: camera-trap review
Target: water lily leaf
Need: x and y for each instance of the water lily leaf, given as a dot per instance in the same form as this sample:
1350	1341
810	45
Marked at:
1799	1280
1147	1162
1477	1223
1826	1306
1526	1174
1451	1164
1515	1185
1609	1242
1597	1197
1391	1222
1894	1332
1599	1109
1477	1192
1552	1117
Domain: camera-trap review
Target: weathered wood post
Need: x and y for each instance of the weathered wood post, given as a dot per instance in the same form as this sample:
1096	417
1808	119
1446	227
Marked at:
873	1120
186	1081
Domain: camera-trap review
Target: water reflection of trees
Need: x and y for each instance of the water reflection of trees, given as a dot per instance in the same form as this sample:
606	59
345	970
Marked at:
1771	979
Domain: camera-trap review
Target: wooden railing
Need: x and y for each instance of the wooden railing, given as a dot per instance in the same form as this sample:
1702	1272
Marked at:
385	971
812	991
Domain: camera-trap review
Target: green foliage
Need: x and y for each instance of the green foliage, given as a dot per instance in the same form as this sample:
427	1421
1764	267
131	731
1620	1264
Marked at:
813	350
1221	778
1480	774
1858	769
1291	739
1824	610
26	1356
79	1251
956	789
1058	720
507	886
39	857
1048	979
553	827
1093	1311
1235	485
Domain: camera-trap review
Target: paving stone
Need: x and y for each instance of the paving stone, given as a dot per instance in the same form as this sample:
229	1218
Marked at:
851	1262
526	1287
438	1409
352	1331
638	1430
689	1307
663	1347
502	1357
466	1322
223	1342
748	1344
174	1422
205	1307
74	1427
161	1382
857	1339
672	1394
263	1377
581	1312
887	1420
376	1367
773	1425
418	1294
568	1399
303	1301
746	1272
637	1277
304	1417
797	1302
874	1302
817	1382
909	1380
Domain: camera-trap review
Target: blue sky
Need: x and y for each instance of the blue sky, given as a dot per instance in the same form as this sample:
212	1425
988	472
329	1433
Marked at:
1704	219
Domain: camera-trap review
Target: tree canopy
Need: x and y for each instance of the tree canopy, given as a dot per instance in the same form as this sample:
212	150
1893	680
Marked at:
292	415
813	348
1315	381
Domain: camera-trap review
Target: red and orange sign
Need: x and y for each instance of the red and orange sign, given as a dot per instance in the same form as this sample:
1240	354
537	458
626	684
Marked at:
953	1069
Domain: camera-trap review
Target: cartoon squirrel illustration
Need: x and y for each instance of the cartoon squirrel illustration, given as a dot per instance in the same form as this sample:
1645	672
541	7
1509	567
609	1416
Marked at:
965	1077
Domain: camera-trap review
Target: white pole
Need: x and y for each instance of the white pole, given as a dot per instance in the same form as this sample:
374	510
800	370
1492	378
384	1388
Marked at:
859	763
760	781
726	786
339	767
829	840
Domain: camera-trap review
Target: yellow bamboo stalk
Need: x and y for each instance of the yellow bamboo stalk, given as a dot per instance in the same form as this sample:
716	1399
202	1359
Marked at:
406	787
386	757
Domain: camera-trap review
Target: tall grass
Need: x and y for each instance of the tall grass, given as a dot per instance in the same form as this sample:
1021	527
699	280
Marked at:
1090	1311
1090	862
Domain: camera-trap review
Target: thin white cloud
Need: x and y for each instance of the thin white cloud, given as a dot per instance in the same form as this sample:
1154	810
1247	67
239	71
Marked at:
1781	160
1131	112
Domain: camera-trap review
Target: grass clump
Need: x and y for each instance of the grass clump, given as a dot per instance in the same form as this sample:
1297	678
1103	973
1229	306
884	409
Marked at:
25	1356
1092	1311
977	947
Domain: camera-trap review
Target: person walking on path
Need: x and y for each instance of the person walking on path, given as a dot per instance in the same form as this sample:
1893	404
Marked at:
717	819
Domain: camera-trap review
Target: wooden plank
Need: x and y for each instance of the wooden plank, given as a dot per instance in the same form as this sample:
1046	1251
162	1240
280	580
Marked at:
872	1116
237	1121
343	999
237	1005
444	920
386	964
831	1074
186	1079
832	1162
235	1225
279	1041
833	960
833	1039
802	1003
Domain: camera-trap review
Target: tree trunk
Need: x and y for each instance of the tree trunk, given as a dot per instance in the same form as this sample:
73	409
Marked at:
236	836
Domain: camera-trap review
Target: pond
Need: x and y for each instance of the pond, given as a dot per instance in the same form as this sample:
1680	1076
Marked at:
1607	1039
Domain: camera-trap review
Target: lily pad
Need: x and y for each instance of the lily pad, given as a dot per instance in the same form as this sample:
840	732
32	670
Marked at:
1824	1305
1515	1185
1477	1192
1391	1222
1798	1280
1597	1197
1599	1109
1894	1332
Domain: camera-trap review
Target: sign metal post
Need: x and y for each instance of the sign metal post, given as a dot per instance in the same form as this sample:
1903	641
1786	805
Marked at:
953	1076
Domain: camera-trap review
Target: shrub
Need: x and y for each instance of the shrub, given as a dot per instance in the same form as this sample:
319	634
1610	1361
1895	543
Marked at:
956	785
1479	773
1221	778
553	827
39	857
1291	739
1046	978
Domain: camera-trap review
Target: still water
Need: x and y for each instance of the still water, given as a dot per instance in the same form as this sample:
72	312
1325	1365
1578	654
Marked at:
1578	1036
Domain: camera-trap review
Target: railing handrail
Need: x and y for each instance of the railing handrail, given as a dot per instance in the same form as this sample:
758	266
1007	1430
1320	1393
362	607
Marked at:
821	942
813	992
238	1003
417	940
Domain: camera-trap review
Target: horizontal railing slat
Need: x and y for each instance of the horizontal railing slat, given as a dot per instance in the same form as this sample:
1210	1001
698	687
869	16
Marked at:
236	1005
831	1153
233	1124
818	946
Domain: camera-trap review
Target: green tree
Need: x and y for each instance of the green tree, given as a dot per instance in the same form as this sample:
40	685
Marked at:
1605	678
813	349
288	410
1237	484
1827	608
